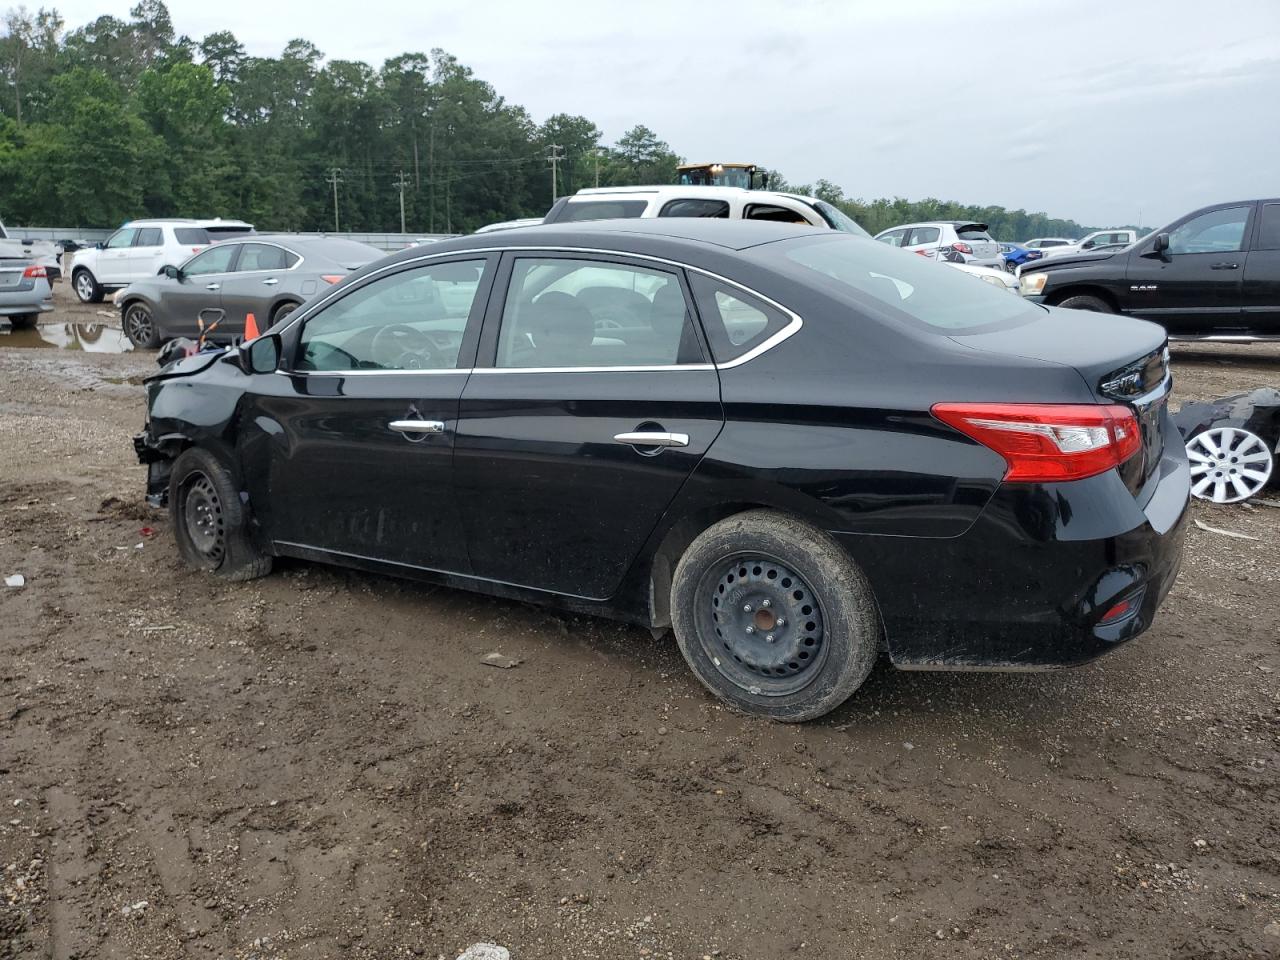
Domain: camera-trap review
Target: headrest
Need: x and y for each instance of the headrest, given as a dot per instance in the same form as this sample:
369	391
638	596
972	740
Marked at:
557	318
668	309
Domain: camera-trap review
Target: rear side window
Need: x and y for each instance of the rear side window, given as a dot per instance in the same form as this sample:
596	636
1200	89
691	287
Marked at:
264	256
601	210
191	236
922	235
693	207
735	322
911	289
148	237
1269	231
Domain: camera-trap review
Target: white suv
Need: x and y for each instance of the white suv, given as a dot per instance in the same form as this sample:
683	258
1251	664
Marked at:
956	241
729	203
141	249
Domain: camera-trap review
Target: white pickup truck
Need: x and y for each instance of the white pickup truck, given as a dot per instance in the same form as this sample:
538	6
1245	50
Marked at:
1112	238
43	252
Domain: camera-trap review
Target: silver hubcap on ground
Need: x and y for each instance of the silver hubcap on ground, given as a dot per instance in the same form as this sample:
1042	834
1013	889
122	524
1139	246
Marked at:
84	287
1228	464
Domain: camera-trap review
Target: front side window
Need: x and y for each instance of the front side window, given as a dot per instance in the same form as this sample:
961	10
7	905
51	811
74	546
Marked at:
213	260
1218	231
910	289
735	321
122	238
561	312
411	320
149	237
264	256
601	210
694	207
774	213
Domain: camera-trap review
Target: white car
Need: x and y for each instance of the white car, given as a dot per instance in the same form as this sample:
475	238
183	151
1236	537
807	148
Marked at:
1047	244
141	249
729	203
955	241
510	224
1099	238
1003	279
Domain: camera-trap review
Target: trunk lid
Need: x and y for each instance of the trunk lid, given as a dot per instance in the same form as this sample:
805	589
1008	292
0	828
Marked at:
11	274
1121	361
984	246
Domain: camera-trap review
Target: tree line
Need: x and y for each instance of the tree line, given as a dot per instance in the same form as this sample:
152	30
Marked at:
120	119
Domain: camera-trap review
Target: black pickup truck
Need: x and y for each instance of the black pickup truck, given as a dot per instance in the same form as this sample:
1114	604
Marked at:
1212	275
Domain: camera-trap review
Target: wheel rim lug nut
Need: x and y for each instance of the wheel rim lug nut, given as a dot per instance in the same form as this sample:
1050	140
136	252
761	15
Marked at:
765	603
769	638
751	629
746	608
781	622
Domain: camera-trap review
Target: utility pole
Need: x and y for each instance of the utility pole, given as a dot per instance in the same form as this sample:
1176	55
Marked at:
597	153
335	178
555	153
402	182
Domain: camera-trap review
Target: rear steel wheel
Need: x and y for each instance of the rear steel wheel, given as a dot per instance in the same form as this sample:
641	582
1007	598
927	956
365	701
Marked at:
762	624
140	326
1228	464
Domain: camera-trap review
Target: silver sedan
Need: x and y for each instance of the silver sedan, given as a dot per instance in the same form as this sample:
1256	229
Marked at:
264	275
24	292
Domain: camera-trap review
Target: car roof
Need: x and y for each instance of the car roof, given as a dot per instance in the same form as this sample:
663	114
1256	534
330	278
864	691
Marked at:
676	191
186	222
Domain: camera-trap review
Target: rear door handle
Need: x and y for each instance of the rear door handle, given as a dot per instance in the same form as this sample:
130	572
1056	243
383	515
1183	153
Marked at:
1225	266
652	438
212	286
417	426
271	282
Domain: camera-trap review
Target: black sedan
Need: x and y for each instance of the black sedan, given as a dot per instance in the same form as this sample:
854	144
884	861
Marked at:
268	276
1211	275
795	448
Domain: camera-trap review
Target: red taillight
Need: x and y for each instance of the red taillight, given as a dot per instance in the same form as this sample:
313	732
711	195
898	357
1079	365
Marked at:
926	253
1048	441
961	247
35	271
330	277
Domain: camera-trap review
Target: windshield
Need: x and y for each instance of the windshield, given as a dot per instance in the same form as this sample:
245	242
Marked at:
917	291
837	219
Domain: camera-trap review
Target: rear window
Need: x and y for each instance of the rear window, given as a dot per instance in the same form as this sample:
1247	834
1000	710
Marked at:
974	231
601	210
920	292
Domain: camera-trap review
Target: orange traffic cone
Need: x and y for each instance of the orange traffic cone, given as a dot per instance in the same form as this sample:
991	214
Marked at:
250	327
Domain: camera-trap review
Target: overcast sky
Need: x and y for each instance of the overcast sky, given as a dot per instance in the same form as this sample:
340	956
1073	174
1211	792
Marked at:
1087	109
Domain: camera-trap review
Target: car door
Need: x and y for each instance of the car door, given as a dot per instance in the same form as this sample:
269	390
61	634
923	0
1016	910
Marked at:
574	438
253	286
1260	290
354	440
1194	286
924	241
146	256
197	289
113	262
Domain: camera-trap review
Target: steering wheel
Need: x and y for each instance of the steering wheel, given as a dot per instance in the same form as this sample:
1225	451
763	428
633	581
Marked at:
398	346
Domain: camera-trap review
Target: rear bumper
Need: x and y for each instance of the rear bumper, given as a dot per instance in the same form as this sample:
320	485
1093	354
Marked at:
1029	584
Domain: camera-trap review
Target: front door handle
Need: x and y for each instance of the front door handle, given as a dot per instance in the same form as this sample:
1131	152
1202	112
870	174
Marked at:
417	426
652	438
212	286
271	282
1224	266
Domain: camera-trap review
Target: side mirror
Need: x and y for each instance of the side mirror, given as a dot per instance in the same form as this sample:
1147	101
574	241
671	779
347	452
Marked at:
170	271
260	355
100	245
1088	244
1161	243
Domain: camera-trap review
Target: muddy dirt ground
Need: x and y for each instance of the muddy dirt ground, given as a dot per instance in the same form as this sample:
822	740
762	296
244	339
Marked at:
318	765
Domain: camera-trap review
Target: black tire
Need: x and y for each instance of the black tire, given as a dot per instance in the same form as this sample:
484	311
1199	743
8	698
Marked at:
1011	266
86	286
1082	301
140	325
24	321
808	651
209	521
282	311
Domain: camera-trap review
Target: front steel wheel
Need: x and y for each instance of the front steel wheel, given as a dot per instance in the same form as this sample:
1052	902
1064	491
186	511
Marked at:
210	521
773	616
1228	464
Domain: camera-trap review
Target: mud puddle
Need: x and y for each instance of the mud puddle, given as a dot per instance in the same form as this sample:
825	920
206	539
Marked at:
89	337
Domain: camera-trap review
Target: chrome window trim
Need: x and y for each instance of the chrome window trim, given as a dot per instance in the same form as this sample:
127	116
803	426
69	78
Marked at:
266	243
303	314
